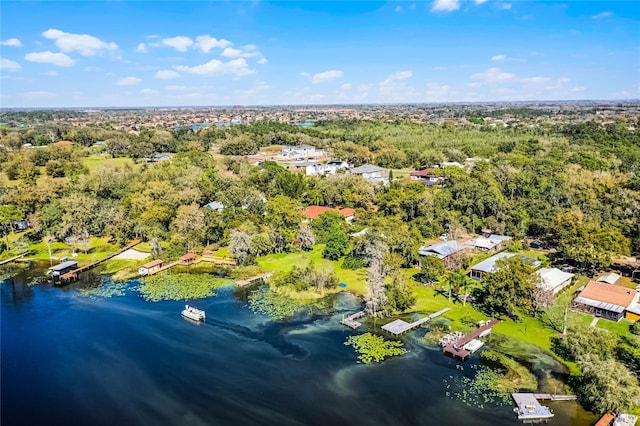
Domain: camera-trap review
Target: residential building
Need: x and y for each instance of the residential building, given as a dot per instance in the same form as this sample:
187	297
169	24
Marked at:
188	258
333	166
492	242
151	267
606	300
156	157
314	212
449	251
372	173
301	151
489	265
215	206
427	176
553	279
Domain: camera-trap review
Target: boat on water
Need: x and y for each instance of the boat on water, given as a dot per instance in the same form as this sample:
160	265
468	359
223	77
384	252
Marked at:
193	313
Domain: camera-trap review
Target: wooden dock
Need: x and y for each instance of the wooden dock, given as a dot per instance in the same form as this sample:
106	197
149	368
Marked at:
13	258
262	277
351	322
73	275
457	350
398	327
554	397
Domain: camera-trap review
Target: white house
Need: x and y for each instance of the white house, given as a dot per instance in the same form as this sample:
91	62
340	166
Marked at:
333	166
215	206
489	265
491	242
372	173
553	279
301	151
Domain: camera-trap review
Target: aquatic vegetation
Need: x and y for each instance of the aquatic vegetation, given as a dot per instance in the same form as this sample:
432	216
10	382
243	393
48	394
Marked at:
481	390
514	376
374	348
265	301
106	289
179	286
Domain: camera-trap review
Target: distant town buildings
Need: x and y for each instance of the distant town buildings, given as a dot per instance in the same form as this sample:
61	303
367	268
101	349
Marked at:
301	152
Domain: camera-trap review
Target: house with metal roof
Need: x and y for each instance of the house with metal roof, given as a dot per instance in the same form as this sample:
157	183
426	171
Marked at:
553	279
62	268
372	173
610	278
446	251
605	300
215	206
489	265
492	242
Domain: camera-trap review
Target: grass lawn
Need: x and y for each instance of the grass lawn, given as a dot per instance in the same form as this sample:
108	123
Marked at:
96	162
620	328
355	279
100	249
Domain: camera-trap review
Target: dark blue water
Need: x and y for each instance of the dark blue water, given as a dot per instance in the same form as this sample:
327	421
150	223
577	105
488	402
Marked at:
72	360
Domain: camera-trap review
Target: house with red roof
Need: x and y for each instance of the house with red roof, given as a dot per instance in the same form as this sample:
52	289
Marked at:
427	176
314	212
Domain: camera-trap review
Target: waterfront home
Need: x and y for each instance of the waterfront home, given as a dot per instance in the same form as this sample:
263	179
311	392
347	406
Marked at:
553	279
215	206
372	173
151	267
489	265
448	251
607	301
314	212
610	278
490	242
62	268
301	151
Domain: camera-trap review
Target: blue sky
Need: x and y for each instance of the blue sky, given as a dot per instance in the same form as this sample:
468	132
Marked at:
148	53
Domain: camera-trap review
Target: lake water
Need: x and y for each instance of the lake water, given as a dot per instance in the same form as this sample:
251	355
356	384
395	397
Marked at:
75	360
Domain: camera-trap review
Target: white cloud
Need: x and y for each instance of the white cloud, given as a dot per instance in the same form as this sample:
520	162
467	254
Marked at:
398	9
445	5
148	92
498	58
50	73
9	65
206	43
323	77
47	57
480	1
13	42
142	48
236	67
230	52
436	92
393	88
93	69
346	86
577	89
602	15
262	61
166	75
493	75
506	6
38	94
178	88
128	81
180	43
86	44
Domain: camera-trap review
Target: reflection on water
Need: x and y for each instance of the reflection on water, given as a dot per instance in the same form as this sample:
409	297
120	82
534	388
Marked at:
74	360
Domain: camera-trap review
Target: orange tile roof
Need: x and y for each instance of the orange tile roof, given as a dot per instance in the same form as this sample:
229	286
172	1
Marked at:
188	256
314	212
608	293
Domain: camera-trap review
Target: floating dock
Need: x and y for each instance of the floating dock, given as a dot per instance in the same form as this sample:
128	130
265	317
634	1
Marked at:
398	327
351	322
458	349
528	407
73	275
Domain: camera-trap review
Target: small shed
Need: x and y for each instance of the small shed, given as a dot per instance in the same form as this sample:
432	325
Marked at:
151	267
188	258
609	278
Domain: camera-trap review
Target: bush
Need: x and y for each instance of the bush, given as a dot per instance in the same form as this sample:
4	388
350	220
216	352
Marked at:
635	328
353	262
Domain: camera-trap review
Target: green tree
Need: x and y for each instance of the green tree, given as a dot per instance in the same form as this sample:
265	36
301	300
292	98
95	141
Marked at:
431	269
508	288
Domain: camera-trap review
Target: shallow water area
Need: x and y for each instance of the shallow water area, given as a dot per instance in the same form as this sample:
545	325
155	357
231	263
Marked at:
77	360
